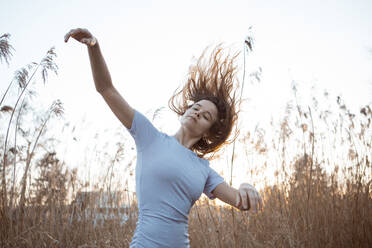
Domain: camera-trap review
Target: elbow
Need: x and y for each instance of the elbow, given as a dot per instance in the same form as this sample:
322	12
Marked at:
102	89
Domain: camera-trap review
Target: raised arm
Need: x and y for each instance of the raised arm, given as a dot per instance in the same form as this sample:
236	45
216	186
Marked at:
102	78
244	198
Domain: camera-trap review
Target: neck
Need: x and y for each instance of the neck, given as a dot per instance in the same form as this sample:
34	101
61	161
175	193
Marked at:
185	139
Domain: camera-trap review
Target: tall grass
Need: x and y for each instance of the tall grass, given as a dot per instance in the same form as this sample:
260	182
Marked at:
319	195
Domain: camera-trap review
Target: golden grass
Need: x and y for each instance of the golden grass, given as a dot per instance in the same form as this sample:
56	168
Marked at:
328	219
307	207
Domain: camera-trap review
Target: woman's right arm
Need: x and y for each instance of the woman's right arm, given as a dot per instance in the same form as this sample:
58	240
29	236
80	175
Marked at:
101	76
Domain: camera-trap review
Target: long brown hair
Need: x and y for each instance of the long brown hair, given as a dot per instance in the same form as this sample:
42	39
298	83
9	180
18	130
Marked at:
211	78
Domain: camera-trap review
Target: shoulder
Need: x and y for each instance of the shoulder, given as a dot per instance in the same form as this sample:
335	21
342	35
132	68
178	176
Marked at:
203	161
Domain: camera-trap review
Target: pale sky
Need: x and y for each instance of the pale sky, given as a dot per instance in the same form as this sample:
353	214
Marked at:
149	45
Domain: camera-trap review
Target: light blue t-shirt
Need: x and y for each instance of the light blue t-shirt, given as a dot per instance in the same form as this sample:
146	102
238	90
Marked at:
169	179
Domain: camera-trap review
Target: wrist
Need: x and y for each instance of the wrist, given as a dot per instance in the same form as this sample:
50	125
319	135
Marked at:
93	42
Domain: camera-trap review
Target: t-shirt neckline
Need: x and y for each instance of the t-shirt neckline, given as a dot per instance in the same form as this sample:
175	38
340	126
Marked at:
187	149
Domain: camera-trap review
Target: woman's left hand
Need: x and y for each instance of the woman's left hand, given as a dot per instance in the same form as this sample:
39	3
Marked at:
250	199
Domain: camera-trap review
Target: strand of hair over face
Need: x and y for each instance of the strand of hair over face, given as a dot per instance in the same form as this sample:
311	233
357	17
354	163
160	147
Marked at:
212	77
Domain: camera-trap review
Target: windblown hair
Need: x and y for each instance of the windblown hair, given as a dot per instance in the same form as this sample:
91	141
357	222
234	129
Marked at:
212	78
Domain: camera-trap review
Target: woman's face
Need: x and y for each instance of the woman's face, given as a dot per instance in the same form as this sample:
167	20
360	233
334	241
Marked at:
199	117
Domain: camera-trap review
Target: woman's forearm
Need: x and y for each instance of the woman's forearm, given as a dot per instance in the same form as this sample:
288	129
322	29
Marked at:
244	198
101	74
227	194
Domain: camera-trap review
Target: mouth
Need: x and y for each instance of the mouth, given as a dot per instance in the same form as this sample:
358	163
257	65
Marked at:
193	118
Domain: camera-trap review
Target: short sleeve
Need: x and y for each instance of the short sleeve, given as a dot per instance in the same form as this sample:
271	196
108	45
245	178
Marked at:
213	180
142	131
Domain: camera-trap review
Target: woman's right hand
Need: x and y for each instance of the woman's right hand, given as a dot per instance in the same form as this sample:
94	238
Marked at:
82	35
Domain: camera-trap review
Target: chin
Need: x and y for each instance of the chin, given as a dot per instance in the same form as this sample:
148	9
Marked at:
191	127
188	125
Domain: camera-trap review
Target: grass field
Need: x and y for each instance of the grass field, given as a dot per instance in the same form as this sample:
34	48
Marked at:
307	207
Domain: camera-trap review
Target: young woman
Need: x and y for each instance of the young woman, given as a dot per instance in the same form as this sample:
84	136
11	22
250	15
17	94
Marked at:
172	171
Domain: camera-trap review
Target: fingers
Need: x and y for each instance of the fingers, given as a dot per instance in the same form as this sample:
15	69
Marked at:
238	201
67	36
245	204
253	200
250	198
71	33
81	35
